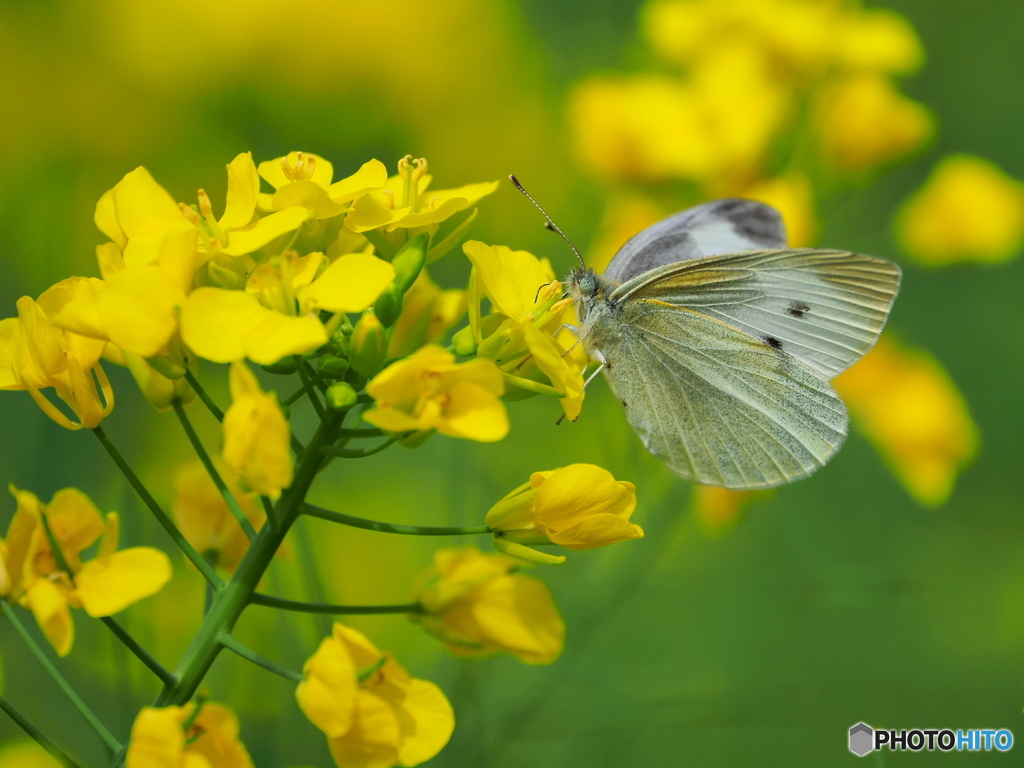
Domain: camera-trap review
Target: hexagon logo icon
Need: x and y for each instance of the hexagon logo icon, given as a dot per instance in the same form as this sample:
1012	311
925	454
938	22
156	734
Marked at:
862	739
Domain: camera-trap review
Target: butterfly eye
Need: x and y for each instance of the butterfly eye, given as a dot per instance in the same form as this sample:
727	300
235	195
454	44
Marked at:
587	285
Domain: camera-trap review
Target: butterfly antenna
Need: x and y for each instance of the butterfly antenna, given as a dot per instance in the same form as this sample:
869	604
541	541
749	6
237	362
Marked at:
550	224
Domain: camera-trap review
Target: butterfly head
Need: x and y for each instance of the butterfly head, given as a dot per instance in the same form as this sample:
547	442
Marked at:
582	284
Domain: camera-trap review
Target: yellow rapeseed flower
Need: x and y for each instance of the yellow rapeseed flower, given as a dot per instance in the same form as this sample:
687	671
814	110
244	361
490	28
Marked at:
863	121
305	179
429	390
910	408
103	586
578	507
36	354
528	313
278	313
967	210
178	737
373	713
478	605
256	436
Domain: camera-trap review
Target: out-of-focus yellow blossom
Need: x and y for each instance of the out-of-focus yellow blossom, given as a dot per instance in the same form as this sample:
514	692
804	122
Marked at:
304	179
967	210
278	314
162	392
256	436
793	196
879	40
374	714
478	605
864	121
427	313
908	406
170	737
204	519
624	216
26	754
578	507
36	354
103	586
719	509
429	390
526	299
405	202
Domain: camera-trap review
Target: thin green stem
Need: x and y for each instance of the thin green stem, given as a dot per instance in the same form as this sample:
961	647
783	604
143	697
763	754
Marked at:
302	390
168	525
299	607
373	525
362	432
232	644
358	453
141	653
26	725
193	382
307	384
211	470
271	513
108	739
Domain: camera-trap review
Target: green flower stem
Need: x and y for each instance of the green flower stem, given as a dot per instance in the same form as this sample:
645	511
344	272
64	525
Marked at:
172	530
358	453
211	470
339	610
141	653
108	739
62	562
362	432
373	525
232	600
232	644
193	382
269	511
302	390
23	722
307	384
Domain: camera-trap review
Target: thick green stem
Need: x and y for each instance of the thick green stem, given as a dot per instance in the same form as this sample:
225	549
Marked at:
168	525
237	593
235	646
108	739
211	470
335	610
38	736
193	382
373	525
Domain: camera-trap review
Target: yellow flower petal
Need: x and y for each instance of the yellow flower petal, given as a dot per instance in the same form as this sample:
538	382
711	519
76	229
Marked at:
75	522
139	200
371	176
273	170
328	694
110	584
106	219
438	206
596	531
139	310
371	211
474	413
509	278
427	722
257	235
373	739
158	740
310	196
50	607
518	614
218	743
350	284
243	187
580	491
560	368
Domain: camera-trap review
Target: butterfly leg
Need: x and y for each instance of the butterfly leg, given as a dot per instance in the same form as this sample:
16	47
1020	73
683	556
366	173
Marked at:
603	364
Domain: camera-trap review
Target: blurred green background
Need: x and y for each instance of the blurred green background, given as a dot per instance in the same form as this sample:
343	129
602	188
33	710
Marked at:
835	600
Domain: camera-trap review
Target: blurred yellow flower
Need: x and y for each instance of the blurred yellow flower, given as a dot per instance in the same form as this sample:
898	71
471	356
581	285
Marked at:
478	605
373	713
178	737
793	196
405	202
36	354
302	178
880	40
278	314
427	313
256	436
967	210
863	121
103	586
908	406
429	390
525	344
203	516
578	507
26	754
719	509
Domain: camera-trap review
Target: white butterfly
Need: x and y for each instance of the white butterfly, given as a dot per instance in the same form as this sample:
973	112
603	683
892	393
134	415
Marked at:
720	341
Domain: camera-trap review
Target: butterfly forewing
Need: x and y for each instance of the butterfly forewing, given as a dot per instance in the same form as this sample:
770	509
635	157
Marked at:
826	308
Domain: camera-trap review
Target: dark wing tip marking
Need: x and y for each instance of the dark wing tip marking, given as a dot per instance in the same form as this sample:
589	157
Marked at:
773	342
798	309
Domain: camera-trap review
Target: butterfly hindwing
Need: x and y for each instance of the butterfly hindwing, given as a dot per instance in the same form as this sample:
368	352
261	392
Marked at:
722	226
717	406
824	307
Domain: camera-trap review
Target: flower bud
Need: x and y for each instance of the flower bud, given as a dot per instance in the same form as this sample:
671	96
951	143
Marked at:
369	345
408	262
388	305
333	366
283	367
340	396
464	343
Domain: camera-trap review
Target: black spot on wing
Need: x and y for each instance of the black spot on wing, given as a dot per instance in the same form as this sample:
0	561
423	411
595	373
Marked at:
772	342
754	221
798	309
